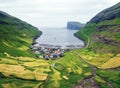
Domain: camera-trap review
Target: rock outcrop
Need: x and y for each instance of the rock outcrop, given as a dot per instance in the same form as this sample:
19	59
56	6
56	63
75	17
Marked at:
74	25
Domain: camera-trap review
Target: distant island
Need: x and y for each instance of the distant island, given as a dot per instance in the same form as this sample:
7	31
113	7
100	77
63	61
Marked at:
74	25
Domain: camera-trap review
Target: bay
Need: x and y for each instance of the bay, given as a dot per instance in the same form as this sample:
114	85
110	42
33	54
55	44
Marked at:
59	36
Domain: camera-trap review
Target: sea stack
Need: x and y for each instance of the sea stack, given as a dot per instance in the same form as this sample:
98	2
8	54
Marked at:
74	25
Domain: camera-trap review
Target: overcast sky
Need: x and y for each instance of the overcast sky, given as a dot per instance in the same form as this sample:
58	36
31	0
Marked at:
54	13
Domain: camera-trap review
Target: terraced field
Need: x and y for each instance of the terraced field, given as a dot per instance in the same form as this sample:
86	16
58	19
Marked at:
22	68
69	71
54	73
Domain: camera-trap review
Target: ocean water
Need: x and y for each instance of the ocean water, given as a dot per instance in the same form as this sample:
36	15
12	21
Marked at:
59	36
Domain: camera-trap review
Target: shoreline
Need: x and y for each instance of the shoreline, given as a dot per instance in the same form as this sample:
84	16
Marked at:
57	46
68	46
80	39
36	37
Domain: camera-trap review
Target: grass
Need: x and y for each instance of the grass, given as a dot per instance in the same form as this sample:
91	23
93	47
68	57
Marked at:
98	79
24	59
103	36
104	43
110	75
35	64
21	72
96	59
16	39
55	78
8	61
24	68
40	76
67	71
103	50
112	63
17	83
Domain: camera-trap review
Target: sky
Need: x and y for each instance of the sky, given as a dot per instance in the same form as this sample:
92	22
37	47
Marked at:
54	13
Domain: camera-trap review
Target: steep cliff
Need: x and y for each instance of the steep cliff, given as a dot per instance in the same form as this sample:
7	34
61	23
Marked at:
74	25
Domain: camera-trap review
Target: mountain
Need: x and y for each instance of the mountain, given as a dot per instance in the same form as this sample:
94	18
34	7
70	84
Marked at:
103	31
107	14
74	25
17	63
15	35
102	38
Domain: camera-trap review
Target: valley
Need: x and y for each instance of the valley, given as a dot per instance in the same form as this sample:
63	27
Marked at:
97	65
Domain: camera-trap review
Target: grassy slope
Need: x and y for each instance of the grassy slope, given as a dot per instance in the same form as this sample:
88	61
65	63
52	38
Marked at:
15	35
98	46
104	48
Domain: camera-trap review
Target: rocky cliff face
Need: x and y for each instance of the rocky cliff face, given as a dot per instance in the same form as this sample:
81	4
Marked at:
107	14
74	25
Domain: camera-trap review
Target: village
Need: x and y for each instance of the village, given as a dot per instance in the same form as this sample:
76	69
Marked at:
47	51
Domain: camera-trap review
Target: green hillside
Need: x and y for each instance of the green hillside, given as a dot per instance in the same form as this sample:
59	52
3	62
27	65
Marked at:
18	68
15	35
102	39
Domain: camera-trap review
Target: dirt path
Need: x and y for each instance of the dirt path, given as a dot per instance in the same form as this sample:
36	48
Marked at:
90	80
88	39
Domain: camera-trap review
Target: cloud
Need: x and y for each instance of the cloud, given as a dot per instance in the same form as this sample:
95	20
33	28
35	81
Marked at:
54	12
